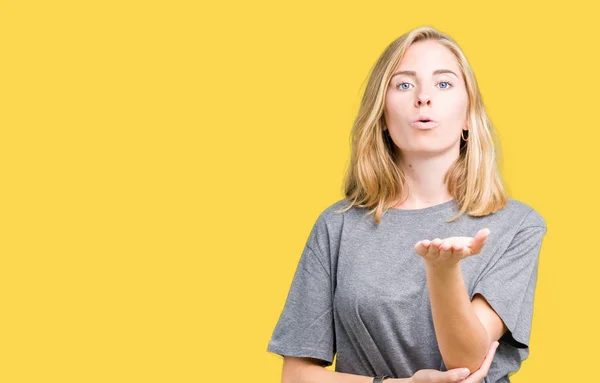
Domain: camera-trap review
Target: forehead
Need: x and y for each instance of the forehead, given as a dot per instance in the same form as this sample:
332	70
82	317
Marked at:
426	56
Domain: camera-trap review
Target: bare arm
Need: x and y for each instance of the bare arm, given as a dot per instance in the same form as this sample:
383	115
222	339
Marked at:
309	370
464	329
462	338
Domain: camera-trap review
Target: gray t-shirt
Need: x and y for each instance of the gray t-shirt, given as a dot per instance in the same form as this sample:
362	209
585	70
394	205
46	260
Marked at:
360	293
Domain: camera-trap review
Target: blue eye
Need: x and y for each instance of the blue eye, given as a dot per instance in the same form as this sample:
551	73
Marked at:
400	85
403	83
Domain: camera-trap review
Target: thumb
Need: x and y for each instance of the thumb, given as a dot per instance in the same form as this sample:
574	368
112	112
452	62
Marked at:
482	234
479	240
454	375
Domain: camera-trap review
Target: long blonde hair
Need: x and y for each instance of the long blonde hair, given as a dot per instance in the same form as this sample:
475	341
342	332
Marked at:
373	180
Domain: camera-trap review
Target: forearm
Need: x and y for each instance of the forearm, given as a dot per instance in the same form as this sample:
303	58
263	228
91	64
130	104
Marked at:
318	374
461	337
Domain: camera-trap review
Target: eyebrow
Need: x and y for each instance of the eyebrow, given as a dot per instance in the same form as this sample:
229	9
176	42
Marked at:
413	73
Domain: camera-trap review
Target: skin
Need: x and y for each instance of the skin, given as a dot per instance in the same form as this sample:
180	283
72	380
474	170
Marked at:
448	252
304	370
425	155
436	376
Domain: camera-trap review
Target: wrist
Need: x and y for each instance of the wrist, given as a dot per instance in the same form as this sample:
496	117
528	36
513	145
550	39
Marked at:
441	269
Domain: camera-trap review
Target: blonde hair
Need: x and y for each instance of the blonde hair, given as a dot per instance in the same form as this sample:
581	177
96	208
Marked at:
373	180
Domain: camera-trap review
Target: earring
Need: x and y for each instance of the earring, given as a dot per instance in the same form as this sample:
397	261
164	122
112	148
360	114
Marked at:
461	134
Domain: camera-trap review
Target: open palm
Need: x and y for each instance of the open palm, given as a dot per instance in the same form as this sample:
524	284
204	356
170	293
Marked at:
449	251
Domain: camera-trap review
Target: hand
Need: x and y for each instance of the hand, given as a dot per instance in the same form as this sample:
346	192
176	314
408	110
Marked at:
448	252
453	376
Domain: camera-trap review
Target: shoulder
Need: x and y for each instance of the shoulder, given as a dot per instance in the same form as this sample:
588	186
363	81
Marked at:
325	235
521	214
332	214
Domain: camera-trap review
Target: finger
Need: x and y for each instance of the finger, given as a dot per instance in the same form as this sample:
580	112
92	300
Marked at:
434	249
479	240
455	375
482	235
420	248
445	249
462	251
485	366
458	248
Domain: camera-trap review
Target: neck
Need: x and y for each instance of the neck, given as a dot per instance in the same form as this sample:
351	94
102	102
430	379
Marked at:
425	179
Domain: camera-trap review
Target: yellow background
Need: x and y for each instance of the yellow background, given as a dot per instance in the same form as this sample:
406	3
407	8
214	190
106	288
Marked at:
162	163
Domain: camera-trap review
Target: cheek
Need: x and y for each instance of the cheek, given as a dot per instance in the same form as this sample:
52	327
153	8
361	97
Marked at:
396	112
398	101
457	108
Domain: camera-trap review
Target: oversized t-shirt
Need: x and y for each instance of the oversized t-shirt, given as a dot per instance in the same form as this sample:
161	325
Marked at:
359	292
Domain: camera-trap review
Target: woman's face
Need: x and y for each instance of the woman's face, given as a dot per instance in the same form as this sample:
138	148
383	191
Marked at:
441	97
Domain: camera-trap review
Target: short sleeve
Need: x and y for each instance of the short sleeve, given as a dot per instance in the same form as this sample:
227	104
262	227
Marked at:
305	327
509	284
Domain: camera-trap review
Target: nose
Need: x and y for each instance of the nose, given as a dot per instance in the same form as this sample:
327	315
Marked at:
423	99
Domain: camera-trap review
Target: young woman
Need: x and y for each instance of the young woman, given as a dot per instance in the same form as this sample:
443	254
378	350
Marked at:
426	266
